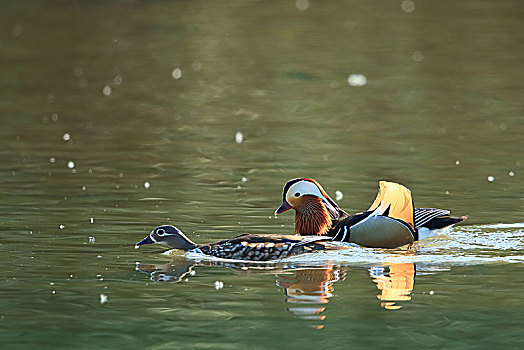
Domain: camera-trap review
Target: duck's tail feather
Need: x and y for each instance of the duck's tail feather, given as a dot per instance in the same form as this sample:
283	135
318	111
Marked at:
442	222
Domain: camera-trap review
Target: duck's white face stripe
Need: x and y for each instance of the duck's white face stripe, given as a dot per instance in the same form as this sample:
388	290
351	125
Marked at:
303	187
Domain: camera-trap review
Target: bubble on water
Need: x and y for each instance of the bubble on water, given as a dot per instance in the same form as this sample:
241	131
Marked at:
147	184
176	73
339	195
118	80
491	178
66	137
61	227
357	80
54	117
417	56
92	239
457	162
17	30
103	298
106	90
239	137
70	164
52	160
219	285
196	65
78	71
511	173
302	5
407	6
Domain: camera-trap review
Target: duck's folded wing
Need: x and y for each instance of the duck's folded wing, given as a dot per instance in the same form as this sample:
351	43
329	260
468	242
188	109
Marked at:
394	200
389	222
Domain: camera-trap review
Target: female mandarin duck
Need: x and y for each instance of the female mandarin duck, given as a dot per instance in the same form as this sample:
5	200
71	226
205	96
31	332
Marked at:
390	222
243	247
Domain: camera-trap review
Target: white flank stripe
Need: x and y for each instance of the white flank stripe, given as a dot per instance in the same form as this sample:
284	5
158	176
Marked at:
345	233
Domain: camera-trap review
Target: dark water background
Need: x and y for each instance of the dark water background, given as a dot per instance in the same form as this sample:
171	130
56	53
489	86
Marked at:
117	116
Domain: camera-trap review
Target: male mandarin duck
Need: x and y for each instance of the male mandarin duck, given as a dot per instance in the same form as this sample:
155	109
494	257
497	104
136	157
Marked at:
243	247
390	222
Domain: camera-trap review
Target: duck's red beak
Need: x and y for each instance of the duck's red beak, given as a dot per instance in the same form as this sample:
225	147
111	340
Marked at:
284	207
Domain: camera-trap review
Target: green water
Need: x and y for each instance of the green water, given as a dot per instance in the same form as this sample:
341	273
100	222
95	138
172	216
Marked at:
118	116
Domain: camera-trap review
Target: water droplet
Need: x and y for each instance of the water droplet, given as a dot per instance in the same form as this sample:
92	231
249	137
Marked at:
118	80
147	184
176	73
511	173
52	160
338	195
219	285
78	71
66	137
103	298
417	56
357	80
92	239
302	5
106	90
71	164
491	178
17	30
407	6
239	137
196	65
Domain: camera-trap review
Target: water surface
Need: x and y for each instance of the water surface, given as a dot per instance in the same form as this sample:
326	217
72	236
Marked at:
120	116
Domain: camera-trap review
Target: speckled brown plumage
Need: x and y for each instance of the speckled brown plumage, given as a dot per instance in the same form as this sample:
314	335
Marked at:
243	247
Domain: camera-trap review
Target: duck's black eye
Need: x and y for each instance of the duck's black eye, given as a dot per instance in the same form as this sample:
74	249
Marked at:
160	231
297	194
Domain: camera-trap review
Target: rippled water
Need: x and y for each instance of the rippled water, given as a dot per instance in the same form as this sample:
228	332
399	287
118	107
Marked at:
119	116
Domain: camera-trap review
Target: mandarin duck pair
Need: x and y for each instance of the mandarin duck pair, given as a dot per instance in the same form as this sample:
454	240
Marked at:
390	222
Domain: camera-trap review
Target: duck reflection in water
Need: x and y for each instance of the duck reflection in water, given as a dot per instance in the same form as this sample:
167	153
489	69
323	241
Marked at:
395	282
308	290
